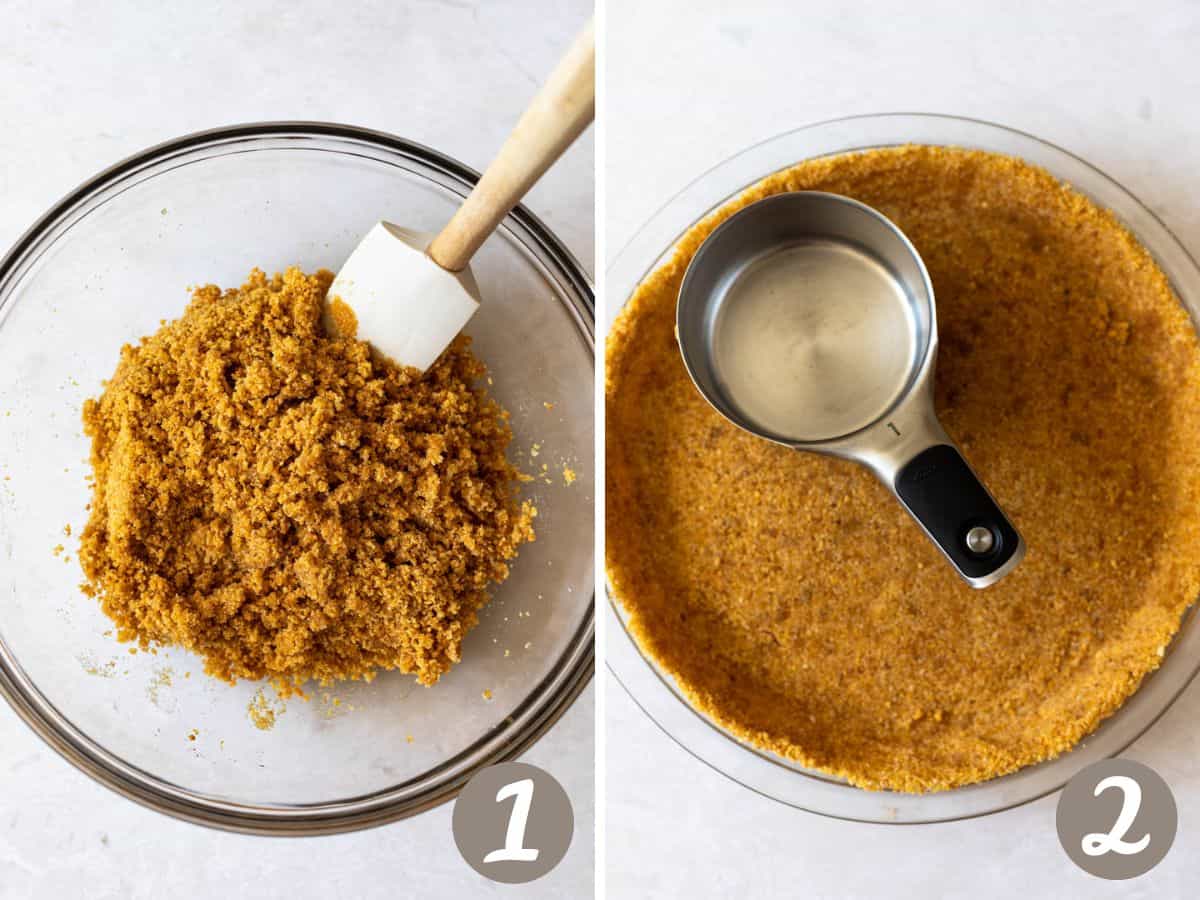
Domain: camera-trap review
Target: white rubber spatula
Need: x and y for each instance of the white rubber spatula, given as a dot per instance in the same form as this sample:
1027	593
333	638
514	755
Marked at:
411	293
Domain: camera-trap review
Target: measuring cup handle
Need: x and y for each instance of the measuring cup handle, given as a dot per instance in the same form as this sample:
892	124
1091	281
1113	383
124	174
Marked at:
952	505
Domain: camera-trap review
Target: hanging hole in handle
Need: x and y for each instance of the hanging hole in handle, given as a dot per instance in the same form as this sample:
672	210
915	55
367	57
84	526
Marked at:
982	541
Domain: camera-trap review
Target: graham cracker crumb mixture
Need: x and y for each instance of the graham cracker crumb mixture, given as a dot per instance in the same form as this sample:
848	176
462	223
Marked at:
790	595
288	505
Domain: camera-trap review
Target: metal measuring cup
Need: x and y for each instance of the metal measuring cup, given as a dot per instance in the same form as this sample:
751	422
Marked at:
808	319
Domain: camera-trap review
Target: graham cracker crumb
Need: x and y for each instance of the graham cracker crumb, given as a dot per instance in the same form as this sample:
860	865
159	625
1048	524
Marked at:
263	711
289	506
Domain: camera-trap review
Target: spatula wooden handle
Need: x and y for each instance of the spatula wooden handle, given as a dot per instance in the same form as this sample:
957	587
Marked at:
562	109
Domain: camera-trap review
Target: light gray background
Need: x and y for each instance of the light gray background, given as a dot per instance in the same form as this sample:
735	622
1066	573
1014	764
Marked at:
83	85
688	83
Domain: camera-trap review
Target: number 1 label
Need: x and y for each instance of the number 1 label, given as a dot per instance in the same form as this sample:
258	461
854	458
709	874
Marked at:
498	804
514	848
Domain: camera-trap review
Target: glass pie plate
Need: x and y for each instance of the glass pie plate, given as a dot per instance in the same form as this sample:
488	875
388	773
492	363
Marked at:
655	691
101	269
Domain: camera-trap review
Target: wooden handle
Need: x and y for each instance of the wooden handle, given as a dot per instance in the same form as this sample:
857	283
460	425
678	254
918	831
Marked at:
559	113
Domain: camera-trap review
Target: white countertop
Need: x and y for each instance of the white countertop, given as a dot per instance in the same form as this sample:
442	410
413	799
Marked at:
84	85
690	82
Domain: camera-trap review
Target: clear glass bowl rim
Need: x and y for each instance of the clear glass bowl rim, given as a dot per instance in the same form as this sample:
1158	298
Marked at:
655	692
542	707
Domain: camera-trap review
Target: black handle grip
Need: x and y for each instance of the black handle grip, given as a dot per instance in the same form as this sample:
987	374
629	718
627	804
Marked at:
943	494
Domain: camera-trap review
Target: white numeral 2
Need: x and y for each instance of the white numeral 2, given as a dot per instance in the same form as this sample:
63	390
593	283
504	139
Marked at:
1099	843
514	848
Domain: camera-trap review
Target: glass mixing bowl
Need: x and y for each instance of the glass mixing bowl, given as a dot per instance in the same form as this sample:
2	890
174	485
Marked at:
101	269
655	691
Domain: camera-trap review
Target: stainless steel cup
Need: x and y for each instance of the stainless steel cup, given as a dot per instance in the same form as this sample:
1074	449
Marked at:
808	319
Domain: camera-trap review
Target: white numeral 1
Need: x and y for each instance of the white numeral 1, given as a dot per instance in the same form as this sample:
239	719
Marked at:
514	848
1099	843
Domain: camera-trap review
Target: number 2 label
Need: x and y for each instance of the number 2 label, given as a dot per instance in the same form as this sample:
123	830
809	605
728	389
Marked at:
1098	843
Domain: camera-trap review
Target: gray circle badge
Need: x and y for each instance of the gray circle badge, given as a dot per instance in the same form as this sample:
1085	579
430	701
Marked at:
513	822
1117	819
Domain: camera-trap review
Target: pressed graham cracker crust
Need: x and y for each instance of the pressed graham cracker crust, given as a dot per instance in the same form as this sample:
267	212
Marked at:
792	598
